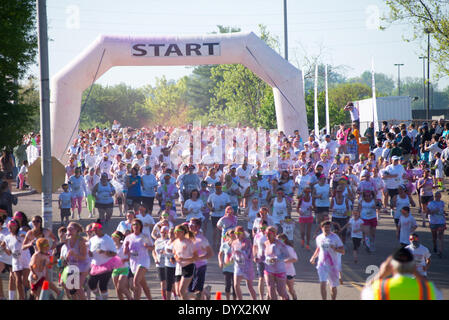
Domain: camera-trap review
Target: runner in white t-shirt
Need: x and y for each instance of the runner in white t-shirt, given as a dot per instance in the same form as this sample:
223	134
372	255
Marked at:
329	246
420	253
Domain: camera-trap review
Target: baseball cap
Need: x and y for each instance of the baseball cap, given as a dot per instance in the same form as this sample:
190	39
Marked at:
148	168
395	158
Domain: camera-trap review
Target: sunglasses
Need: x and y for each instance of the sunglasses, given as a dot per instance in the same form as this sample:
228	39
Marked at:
36	221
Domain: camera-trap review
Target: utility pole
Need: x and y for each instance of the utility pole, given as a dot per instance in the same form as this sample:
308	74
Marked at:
285	31
424	80
47	213
399	65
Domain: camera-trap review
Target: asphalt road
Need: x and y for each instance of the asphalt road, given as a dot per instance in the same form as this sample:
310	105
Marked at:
306	283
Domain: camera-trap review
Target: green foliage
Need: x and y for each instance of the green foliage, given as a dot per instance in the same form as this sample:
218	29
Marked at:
339	95
384	83
18	49
420	15
119	102
167	102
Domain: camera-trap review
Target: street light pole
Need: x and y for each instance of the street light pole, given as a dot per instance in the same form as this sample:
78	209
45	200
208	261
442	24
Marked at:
285	31
424	80
399	65
47	211
428	31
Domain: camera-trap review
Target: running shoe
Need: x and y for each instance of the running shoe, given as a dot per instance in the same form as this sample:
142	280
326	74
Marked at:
207	292
91	215
307	247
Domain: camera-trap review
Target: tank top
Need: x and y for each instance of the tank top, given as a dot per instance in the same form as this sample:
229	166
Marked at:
368	210
339	209
306	208
279	210
83	265
401	203
104	194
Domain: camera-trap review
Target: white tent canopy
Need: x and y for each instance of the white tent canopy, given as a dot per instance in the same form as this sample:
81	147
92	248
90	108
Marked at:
67	86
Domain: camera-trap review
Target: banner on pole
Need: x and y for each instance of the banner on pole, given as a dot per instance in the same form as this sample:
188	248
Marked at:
317	127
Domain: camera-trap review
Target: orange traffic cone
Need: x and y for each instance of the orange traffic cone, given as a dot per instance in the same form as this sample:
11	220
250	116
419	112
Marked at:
45	293
218	295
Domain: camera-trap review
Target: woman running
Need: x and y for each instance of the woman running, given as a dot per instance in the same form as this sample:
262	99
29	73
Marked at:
289	265
104	261
242	256
186	254
103	193
227	267
193	206
340	208
320	196
169	264
304	210
12	245
159	259
74	253
367	209
120	275
137	245
280	208
275	273
399	201
437	222
77	188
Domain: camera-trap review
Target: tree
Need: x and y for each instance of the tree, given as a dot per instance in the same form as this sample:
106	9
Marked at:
384	83
421	15
18	50
240	96
119	102
201	83
338	97
167	102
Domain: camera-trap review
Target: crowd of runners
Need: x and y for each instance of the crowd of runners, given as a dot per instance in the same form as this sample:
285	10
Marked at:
247	207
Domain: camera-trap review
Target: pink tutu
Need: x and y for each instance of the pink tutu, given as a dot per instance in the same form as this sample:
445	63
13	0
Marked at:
113	263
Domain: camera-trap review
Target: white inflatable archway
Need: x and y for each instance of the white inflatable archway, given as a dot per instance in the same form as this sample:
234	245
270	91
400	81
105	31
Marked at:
67	86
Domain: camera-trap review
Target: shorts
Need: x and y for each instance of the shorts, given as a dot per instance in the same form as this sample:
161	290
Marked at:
426	199
280	275
7	268
290	277
320	210
392	192
132	200
104	205
119	200
65	212
199	277
396	222
36	286
370	222
325	274
188	271
120	272
305	220
214	221
162	274
341	221
356	243
130	274
178	278
260	268
437	227
148	203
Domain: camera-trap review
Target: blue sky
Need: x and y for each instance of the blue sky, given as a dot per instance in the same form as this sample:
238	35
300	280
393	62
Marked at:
344	31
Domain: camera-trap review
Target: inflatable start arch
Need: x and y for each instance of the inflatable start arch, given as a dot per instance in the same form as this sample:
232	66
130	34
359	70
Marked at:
67	86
